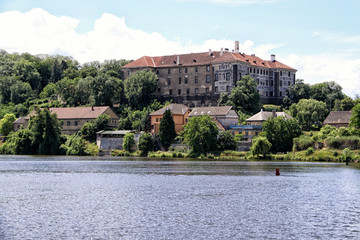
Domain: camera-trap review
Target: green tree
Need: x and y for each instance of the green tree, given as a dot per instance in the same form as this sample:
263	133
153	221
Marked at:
327	92
146	143
140	89
167	129
74	145
129	142
294	93
309	112
226	141
90	129
45	130
19	142
243	96
355	116
260	145
6	124
280	132
201	134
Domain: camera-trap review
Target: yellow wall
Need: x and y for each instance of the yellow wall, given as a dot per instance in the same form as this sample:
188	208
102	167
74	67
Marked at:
179	121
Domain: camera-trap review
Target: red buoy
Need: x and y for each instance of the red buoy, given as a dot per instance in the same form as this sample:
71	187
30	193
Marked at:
277	172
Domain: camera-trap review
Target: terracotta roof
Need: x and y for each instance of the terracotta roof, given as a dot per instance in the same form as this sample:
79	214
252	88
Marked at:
76	112
211	111
262	116
277	64
204	58
178	109
336	117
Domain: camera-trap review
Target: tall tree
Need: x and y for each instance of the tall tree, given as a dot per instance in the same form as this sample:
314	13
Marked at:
226	141
6	124
167	129
146	143
327	92
140	89
260	145
309	112
280	132
201	134
129	142
355	116
296	92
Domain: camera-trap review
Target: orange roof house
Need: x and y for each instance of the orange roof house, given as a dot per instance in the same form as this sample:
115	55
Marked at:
73	118
179	114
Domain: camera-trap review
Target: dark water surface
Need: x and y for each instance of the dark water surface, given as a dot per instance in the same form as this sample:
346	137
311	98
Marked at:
109	198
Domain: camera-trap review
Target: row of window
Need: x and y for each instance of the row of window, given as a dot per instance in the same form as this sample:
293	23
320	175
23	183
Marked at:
266	83
207	90
186	70
68	123
186	80
222	76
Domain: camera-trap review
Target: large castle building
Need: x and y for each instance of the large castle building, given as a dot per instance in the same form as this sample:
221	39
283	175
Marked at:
200	78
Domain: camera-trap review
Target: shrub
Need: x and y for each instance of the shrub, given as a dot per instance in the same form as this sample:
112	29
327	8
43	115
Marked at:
303	142
309	151
344	131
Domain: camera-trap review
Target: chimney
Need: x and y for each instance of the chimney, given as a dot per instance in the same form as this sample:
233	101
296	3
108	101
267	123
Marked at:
237	48
273	57
92	108
226	50
222	52
210	53
178	60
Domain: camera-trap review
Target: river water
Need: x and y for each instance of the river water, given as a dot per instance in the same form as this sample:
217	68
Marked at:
111	198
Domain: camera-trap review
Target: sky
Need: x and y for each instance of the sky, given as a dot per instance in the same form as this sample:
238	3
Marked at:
319	38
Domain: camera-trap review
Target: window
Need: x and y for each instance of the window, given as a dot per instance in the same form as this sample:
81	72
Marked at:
186	79
169	71
261	71
208	68
288	83
179	70
267	93
280	93
179	91
216	77
188	91
207	78
196	79
271	83
179	80
157	119
76	123
196	69
68	123
207	90
271	94
250	70
216	89
267	83
186	70
169	81
228	88
227	76
196	90
288	74
257	71
280	83
280	73
157	71
170	91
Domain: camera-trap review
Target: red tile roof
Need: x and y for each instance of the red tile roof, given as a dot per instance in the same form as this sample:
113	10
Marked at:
196	59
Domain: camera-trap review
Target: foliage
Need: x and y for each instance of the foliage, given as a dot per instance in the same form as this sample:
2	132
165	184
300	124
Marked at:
303	142
243	96
238	137
201	134
74	145
129	142
6	124
19	142
348	154
355	116
270	108
309	112
296	92
146	144
140	89
90	129
280	132
327	92
45	130
309	151
226	141
340	142
260	145
167	129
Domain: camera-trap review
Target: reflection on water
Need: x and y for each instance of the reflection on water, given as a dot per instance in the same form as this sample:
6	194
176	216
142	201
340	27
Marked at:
74	198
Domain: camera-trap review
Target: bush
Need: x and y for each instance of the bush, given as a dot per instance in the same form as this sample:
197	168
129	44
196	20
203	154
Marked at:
309	151
303	142
344	131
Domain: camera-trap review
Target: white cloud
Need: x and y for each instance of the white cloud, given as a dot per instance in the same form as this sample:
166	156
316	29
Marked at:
328	67
39	32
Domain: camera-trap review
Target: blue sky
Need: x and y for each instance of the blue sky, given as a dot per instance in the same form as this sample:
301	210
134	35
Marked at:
320	38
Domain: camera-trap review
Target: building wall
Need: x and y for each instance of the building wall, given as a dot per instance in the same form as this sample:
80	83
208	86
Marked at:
114	142
179	120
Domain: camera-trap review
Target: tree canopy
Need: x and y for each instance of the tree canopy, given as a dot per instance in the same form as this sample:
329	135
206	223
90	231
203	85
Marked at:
201	134
6	124
355	116
167	129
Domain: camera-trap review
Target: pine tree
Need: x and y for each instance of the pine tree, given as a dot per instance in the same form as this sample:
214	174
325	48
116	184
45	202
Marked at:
167	130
